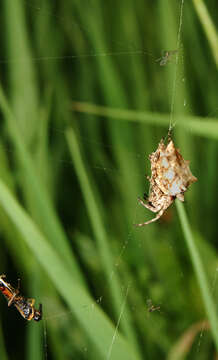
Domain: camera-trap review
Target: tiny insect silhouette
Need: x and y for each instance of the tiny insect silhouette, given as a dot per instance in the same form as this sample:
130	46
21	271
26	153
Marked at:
166	57
24	306
151	307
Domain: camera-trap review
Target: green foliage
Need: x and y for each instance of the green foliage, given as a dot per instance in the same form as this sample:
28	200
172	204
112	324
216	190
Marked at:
83	103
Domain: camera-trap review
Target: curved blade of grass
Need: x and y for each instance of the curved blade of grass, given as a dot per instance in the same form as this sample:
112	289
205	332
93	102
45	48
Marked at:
208	27
24	98
199	271
91	199
40	200
183	345
206	127
34	343
95	323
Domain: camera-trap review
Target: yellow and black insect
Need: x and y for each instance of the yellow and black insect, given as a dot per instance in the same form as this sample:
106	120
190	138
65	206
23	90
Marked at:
24	306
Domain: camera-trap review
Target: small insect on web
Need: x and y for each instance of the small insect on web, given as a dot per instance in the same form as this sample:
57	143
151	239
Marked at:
24	306
170	179
166	57
151	308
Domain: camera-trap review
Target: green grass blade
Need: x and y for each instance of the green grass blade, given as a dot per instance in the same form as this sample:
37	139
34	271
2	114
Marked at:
39	197
92	200
199	271
208	27
206	127
73	294
34	343
22	72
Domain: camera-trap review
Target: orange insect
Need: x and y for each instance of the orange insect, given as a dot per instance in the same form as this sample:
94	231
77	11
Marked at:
24	306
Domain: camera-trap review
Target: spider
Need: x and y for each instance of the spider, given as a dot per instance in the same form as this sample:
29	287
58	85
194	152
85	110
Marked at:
170	178
166	56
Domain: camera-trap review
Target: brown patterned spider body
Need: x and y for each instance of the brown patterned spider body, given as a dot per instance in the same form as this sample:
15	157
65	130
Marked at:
170	178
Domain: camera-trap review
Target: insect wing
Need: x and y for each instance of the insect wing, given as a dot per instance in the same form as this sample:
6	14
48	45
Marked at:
6	289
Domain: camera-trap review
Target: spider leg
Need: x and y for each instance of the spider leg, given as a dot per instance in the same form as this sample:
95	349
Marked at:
147	205
152	220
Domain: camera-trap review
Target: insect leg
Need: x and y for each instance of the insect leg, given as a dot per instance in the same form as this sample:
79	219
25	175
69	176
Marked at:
16	292
31	301
10	302
18	284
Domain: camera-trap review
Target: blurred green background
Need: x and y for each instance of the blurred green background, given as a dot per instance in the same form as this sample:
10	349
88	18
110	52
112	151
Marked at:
83	103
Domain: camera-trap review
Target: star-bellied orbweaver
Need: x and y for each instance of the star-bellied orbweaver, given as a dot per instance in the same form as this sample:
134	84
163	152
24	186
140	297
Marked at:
170	178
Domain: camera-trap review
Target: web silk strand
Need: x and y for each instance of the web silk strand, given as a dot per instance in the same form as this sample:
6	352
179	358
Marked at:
175	75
